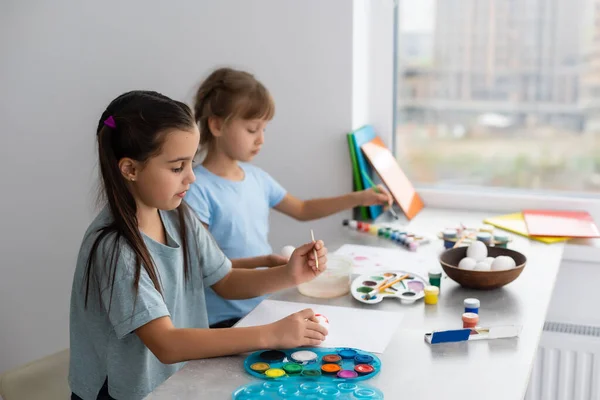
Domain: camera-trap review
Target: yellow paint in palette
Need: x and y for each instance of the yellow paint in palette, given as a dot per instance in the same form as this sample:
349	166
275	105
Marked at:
275	373
373	229
260	367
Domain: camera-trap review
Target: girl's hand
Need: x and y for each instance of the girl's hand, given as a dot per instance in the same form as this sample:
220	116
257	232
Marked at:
302	266
276	260
370	197
298	329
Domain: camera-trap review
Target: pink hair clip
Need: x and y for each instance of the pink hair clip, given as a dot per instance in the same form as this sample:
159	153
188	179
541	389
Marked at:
110	122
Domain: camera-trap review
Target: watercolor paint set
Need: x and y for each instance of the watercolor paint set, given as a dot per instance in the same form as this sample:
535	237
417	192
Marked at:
408	240
373	288
313	363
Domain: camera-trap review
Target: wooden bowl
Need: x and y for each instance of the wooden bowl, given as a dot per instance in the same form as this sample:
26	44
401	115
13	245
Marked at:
484	280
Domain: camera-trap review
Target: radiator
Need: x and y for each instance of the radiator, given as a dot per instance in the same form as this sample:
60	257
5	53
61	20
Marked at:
567	364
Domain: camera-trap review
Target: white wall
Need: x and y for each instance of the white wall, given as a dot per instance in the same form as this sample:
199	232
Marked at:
373	62
63	61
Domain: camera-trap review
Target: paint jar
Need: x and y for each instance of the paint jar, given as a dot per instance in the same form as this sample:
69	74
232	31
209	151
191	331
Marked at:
333	282
331	369
470	320
472	305
449	236
487	228
431	294
331	359
501	240
435	277
485	237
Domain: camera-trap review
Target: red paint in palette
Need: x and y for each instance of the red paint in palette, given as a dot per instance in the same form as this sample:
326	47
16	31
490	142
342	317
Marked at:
364	369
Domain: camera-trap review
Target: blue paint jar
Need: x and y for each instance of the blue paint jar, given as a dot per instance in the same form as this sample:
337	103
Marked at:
485	237
449	236
472	305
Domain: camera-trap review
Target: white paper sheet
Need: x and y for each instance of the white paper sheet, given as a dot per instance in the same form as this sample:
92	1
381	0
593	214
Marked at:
368	330
368	259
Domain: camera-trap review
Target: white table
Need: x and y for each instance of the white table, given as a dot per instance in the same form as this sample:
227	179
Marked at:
412	369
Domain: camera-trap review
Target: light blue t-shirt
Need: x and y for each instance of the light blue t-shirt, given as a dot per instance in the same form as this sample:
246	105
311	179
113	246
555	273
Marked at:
237	215
103	342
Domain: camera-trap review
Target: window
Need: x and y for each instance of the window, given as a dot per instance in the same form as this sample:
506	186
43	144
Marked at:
488	97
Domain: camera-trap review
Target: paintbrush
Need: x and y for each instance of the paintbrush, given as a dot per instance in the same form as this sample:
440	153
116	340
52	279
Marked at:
312	235
459	241
393	282
376	189
376	288
384	285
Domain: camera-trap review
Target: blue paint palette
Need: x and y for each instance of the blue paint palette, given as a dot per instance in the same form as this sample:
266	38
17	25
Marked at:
322	390
309	364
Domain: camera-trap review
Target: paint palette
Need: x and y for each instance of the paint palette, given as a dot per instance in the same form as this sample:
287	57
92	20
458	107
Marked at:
307	390
407	290
307	364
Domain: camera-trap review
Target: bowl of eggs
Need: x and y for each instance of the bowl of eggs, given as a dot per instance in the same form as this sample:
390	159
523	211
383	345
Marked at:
478	266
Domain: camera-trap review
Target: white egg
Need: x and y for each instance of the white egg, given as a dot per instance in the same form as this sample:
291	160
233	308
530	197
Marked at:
287	251
502	263
482	266
467	263
477	250
489	260
323	321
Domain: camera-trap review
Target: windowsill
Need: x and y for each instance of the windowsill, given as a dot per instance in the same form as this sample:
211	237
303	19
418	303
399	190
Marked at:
497	202
582	250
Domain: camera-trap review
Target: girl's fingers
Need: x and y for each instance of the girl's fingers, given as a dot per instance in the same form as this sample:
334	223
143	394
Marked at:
311	342
321	252
317	328
322	261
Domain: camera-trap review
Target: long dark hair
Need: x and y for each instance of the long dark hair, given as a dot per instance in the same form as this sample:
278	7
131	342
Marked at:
134	125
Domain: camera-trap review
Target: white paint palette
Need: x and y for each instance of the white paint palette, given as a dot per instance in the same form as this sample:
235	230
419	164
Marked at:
407	290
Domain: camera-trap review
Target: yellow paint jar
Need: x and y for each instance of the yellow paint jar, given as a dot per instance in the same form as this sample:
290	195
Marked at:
431	294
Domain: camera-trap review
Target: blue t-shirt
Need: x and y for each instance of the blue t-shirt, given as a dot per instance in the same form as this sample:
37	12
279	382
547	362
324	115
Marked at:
103	342
237	215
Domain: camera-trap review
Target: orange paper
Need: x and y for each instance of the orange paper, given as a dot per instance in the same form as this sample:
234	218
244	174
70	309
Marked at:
401	189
